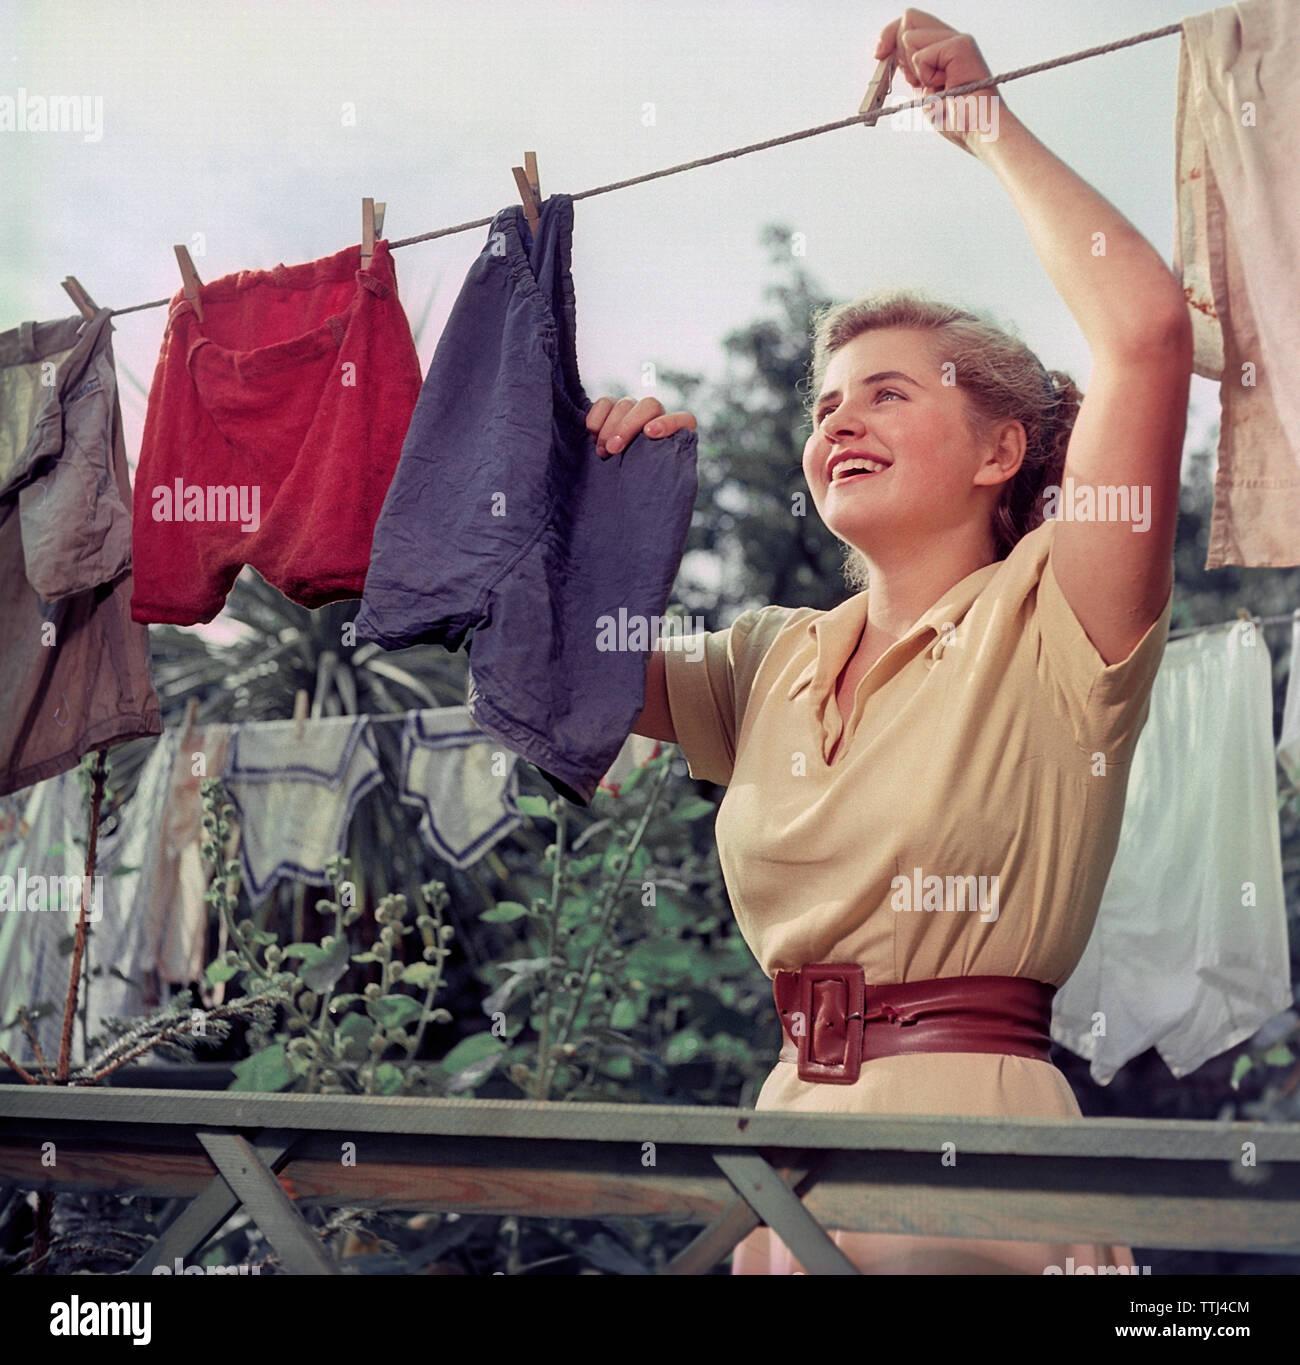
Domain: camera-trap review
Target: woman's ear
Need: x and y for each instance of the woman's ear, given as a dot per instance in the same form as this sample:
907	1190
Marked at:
1005	455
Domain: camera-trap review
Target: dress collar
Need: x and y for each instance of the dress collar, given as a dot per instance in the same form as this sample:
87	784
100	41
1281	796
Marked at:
836	633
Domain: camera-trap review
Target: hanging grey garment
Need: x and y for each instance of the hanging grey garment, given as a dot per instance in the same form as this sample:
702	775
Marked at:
503	521
295	795
74	670
463	782
40	903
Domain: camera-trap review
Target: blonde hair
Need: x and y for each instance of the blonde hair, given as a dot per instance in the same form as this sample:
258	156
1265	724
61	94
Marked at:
1000	377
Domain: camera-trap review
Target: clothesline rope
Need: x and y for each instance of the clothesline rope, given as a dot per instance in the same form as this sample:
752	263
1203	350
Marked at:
968	88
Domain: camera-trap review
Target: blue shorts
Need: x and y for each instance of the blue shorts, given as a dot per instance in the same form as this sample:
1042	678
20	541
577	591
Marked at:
503	527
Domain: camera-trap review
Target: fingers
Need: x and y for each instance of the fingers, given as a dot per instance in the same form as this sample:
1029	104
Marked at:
598	411
888	40
616	424
916	44
902	37
928	60
669	423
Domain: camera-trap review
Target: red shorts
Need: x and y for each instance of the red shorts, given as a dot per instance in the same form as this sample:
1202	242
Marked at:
273	430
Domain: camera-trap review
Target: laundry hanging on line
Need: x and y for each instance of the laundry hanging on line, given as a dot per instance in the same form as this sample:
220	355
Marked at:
294	789
74	669
272	431
46	864
499	520
174	878
513	724
1237	249
1189	951
1288	744
538	541
464	783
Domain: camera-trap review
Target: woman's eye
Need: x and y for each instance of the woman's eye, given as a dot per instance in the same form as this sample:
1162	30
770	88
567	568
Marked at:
825	412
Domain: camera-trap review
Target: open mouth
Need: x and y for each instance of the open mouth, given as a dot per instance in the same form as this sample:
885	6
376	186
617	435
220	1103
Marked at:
854	471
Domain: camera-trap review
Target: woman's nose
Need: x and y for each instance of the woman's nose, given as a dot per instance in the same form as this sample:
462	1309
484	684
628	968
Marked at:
839	424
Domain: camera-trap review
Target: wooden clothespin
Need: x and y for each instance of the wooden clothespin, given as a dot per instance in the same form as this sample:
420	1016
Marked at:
86	306
372	228
530	192
190	277
300	704
878	90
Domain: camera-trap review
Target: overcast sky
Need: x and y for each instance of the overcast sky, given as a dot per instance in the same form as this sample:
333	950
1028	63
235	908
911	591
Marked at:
224	123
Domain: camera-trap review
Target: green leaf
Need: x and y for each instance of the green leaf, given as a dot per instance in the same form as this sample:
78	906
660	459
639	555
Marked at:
536	806
366	957
630	781
341	1002
468	1077
356	1027
504	913
299	949
693	808
388	1078
476	1048
419	974
264	1072
659	958
219	971
1239	1068
620	1068
624	1014
392	1011
1279	1056
683	1047
585	937
326	966
575	910
667	911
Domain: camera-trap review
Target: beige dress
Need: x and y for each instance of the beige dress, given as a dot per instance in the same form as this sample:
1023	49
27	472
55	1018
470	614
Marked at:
991	741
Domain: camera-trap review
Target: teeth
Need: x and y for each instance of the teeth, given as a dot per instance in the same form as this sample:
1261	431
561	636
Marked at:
857	467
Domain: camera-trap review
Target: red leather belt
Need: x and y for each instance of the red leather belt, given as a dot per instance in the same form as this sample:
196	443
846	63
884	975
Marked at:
837	1021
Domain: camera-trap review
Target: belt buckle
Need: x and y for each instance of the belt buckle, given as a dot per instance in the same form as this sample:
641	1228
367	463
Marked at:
847	1069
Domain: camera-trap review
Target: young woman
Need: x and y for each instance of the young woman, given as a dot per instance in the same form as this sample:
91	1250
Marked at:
925	784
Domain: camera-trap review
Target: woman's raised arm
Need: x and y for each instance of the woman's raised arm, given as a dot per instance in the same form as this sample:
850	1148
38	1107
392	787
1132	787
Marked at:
1126	444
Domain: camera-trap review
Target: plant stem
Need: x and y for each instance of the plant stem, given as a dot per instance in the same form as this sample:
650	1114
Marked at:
36	1046
609	903
13	1066
185	1026
98	774
542	1078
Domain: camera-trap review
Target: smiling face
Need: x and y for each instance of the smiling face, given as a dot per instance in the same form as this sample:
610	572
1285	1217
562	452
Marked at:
883	406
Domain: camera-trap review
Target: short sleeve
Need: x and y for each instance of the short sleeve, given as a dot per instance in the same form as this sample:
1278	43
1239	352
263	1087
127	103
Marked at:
1106	702
710	677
